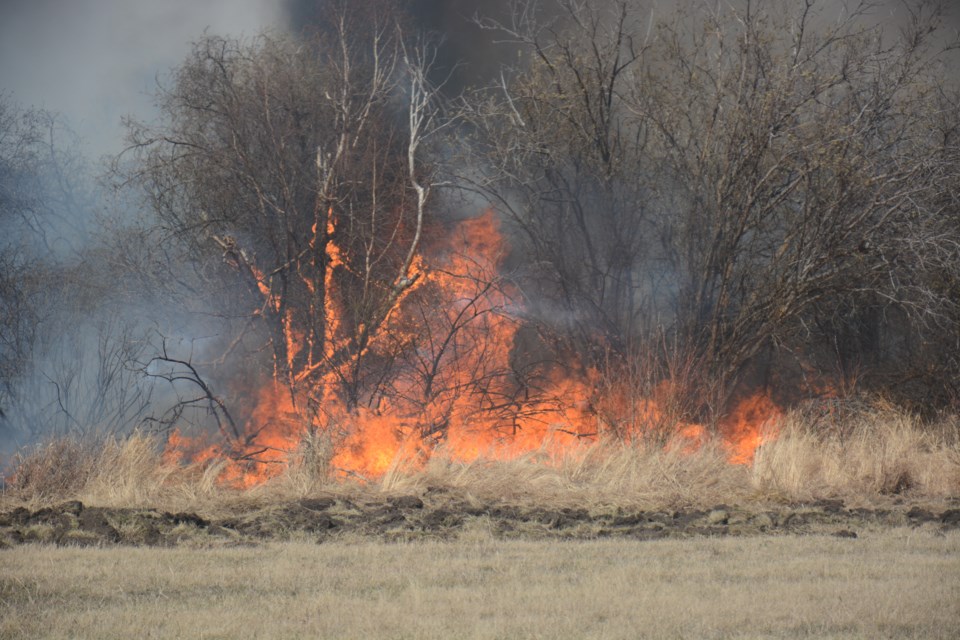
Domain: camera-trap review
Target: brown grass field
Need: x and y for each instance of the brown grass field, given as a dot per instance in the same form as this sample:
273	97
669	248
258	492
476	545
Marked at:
893	583
846	531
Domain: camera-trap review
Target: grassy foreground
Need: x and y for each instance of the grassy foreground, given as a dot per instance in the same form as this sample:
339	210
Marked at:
891	583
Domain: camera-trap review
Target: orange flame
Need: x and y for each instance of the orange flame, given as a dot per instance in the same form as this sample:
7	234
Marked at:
459	389
743	429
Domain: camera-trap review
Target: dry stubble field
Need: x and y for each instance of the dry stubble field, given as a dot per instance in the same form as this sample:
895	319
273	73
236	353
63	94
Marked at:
888	583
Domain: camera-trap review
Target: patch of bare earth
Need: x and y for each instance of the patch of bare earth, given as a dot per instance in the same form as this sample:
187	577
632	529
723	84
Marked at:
443	515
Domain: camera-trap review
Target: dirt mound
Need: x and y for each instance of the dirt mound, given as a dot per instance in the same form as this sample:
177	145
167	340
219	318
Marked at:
414	517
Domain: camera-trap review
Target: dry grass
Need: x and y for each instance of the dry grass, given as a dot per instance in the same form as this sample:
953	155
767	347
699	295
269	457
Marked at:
891	584
858	455
867	456
640	474
110	471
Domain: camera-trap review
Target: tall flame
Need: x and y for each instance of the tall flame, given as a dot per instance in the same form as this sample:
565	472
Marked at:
459	388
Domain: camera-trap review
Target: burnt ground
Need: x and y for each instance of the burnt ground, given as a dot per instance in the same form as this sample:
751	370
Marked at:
442	517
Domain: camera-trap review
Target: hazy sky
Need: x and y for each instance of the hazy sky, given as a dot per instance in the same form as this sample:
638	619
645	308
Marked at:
96	60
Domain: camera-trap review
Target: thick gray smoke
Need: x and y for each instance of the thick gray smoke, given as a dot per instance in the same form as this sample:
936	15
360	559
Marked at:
467	54
96	61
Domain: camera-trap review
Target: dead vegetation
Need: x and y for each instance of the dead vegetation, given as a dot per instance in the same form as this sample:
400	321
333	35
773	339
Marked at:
897	583
873	457
878	450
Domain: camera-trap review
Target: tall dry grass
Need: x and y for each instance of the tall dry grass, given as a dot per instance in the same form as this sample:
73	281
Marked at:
109	471
865	455
643	473
874	450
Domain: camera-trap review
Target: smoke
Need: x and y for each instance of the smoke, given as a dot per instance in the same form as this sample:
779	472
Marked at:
467	55
96	61
87	65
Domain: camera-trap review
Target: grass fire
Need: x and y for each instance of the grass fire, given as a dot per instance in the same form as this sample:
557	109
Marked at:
482	274
459	393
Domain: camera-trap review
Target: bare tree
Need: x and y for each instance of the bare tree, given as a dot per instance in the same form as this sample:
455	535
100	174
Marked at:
295	168
20	135
724	176
28	156
64	365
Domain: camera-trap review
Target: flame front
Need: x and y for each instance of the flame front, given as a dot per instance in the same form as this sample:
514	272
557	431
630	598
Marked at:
456	386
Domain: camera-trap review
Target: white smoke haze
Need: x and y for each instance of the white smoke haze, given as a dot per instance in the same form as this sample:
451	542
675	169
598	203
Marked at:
90	64
96	61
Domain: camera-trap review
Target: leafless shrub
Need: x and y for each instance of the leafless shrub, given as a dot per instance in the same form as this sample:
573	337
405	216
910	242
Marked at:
750	179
